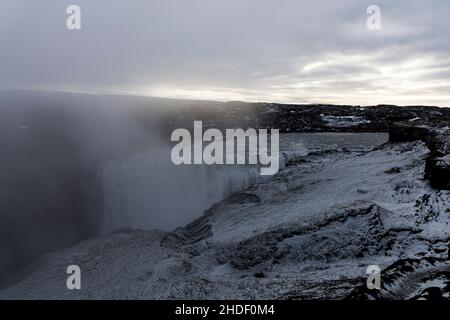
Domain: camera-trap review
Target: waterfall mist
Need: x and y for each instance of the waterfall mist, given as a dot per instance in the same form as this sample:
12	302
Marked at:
52	146
76	165
147	191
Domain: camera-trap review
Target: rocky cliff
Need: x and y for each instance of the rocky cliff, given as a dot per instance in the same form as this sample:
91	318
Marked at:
309	233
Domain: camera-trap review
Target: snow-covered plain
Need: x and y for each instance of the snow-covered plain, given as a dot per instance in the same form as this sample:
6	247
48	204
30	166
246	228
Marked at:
308	233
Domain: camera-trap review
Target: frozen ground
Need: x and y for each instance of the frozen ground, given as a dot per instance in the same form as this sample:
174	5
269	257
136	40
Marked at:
308	233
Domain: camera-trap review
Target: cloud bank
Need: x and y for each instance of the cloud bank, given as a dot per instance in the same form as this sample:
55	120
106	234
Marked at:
253	50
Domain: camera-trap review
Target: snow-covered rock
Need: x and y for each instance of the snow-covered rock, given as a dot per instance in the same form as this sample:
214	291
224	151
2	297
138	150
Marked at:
437	168
310	232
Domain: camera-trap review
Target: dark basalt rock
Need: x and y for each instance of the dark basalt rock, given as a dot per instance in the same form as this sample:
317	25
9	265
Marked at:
305	117
409	131
438	171
437	168
439	144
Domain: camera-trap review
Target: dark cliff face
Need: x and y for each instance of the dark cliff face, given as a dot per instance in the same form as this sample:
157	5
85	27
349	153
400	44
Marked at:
437	138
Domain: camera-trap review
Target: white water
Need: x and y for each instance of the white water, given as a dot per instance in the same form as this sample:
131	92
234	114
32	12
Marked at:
147	191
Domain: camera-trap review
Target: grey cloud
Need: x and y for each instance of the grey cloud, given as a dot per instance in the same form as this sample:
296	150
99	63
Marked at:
249	49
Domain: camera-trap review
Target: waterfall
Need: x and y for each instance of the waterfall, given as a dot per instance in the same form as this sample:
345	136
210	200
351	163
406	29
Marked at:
148	191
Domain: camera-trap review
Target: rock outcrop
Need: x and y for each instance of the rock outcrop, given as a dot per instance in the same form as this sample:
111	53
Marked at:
438	171
437	139
308	233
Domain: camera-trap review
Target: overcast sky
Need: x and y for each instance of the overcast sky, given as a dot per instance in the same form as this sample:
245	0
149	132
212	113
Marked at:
253	50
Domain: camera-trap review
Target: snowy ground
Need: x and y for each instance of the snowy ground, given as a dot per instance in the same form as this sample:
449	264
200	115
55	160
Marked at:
309	233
